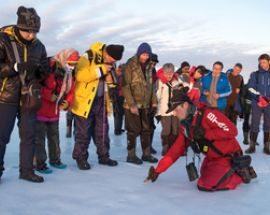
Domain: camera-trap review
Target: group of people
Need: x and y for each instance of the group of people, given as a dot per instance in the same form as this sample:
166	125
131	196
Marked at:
195	106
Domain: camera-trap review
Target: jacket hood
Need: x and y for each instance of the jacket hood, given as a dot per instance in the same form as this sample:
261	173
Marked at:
161	76
9	30
97	46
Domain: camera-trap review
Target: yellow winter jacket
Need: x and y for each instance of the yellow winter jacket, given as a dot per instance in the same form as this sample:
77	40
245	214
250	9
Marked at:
89	69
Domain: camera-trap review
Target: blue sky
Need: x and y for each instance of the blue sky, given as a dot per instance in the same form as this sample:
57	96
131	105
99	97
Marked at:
198	31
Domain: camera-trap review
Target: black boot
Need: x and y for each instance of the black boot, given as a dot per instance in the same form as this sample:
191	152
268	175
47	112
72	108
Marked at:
31	177
83	164
132	158
246	140
252	144
108	162
266	141
148	157
245	175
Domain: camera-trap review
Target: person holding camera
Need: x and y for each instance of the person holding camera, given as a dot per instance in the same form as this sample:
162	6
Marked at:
57	95
207	131
23	63
140	103
91	102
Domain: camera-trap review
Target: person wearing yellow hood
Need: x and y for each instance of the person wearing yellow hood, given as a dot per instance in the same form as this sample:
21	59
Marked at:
21	54
91	102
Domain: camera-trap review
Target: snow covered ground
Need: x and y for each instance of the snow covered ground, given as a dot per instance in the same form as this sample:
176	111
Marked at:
121	190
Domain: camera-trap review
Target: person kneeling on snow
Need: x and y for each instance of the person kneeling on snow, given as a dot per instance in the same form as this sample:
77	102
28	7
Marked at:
206	131
57	94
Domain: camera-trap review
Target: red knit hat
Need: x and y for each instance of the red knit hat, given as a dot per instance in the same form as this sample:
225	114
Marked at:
73	58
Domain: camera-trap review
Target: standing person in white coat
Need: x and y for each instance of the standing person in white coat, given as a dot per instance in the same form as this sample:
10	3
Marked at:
170	124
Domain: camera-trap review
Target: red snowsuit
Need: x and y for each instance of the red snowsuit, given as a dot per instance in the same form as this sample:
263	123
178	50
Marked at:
47	111
219	129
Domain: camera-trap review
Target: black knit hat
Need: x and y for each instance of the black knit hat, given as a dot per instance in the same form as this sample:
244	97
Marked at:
115	51
154	58
184	64
178	97
28	19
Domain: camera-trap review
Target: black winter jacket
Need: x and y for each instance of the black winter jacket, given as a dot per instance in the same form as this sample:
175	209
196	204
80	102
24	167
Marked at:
34	52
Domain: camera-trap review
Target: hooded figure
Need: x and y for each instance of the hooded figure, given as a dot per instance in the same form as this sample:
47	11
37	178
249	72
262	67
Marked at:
66	59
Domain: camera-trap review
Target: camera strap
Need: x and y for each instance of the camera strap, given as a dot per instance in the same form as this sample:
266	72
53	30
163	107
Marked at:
193	157
17	57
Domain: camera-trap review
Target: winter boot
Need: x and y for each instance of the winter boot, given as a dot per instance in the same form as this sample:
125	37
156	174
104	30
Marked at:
43	169
58	165
83	164
266	149
245	175
246	140
252	144
148	157
108	162
252	172
132	158
32	177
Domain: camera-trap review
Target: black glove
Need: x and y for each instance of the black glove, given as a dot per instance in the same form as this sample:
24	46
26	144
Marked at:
27	66
152	175
198	133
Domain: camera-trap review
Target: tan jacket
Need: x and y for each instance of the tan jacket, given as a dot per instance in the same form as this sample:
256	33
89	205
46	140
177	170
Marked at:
138	89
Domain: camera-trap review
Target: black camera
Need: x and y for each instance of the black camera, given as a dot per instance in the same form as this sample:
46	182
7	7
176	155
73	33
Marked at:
192	171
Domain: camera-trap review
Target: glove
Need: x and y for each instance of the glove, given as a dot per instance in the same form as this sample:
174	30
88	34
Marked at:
263	102
53	97
198	133
26	66
152	175
64	105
